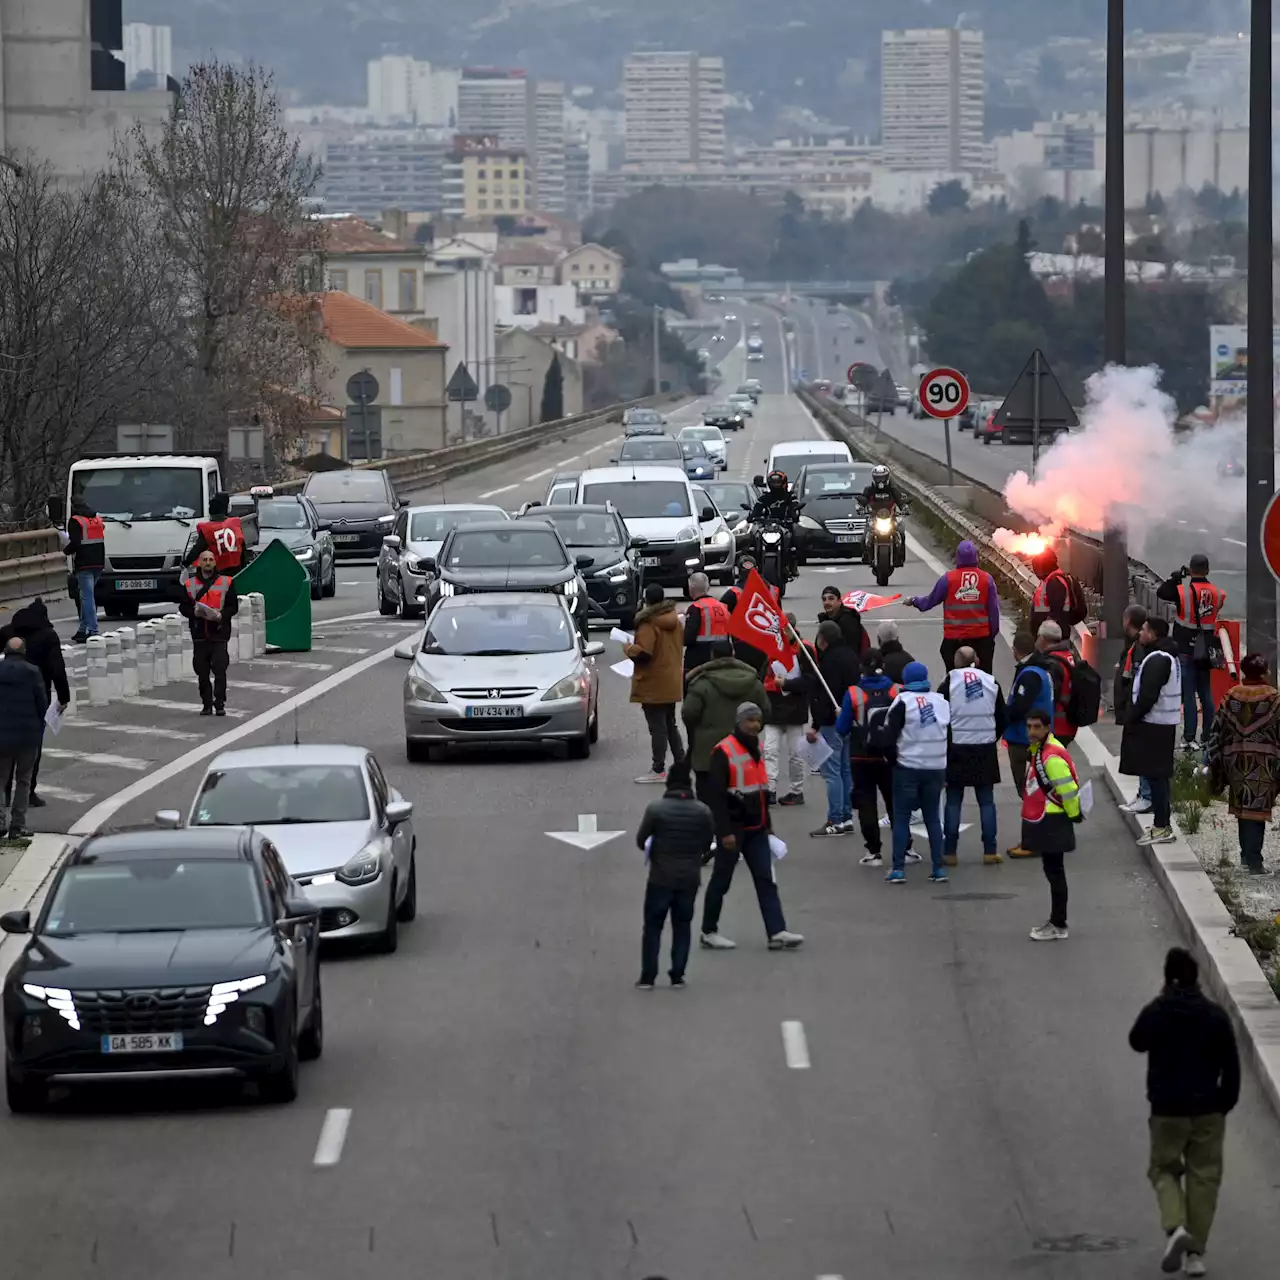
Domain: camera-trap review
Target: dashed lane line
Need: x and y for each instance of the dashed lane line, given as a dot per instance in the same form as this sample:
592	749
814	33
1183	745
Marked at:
493	493
333	1136
129	730
537	475
334	648
99	757
164	704
795	1046
295	665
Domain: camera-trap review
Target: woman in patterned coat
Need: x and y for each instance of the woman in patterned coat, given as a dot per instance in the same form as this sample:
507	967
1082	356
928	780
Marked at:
1244	756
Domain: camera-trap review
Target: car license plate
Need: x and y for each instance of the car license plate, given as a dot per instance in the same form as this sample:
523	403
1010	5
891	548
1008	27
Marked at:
650	562
846	537
495	711
157	1042
346	537
135	584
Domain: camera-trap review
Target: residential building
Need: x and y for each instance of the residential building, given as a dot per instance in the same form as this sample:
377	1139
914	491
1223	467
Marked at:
148	52
932	99
384	169
484	179
63	95
375	264
526	261
674	105
403	90
594	271
529	305
522	363
409	364
578	178
460	294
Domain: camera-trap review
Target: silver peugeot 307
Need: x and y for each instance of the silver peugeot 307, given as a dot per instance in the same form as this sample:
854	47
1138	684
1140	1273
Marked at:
503	666
345	834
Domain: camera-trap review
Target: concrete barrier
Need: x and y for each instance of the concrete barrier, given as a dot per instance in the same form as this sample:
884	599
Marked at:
96	658
115	668
76	660
128	662
174	629
160	670
146	656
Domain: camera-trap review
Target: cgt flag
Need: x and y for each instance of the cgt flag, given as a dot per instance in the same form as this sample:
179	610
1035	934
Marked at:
758	620
864	600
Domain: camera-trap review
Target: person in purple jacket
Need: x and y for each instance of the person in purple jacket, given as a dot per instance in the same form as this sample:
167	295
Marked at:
970	608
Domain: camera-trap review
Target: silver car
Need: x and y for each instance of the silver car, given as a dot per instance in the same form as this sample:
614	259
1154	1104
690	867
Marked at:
345	834
712	440
744	404
719	546
415	538
505	666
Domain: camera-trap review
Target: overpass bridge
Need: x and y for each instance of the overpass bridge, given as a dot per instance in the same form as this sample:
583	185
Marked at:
809	288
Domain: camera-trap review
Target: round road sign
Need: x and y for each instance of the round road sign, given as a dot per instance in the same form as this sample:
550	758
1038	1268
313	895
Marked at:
1271	535
497	399
944	393
851	375
362	388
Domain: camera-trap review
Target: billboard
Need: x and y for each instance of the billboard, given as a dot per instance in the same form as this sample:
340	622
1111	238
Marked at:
1229	360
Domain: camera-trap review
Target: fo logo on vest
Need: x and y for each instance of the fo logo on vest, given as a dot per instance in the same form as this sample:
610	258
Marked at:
224	540
967	592
762	617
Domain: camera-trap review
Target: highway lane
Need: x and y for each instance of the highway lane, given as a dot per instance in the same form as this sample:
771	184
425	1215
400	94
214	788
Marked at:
518	1111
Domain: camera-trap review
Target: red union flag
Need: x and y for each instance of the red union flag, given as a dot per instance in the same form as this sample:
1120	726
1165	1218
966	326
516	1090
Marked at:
759	621
864	600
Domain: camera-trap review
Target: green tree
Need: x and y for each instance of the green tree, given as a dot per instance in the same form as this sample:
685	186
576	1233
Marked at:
947	197
552	409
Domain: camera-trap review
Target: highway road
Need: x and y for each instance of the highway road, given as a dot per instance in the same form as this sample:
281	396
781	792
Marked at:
947	1100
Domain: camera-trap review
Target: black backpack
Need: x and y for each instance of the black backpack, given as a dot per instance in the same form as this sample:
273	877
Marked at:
1085	700
878	704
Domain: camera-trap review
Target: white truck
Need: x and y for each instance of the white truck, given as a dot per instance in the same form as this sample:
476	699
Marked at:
150	504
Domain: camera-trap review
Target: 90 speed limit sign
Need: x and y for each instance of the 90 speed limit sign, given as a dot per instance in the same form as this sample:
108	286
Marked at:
944	393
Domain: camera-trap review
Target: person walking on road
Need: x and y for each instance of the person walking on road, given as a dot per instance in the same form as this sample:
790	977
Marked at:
23	703
44	652
1195	633
710	706
970	608
916	727
1244	756
978	719
784	725
840	669
892	655
1033	689
208	601
657	681
848	620
1193	1084
1056	648
1150	736
1059	597
736	788
1122	692
682	831
706	625
1050	811
87	549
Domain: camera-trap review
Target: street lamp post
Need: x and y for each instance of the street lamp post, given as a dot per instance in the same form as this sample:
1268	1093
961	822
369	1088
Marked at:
657	350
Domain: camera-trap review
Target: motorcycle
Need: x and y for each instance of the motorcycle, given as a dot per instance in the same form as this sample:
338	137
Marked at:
775	543
885	547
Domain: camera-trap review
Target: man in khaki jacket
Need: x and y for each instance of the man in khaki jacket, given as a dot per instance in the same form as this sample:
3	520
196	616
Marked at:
658	682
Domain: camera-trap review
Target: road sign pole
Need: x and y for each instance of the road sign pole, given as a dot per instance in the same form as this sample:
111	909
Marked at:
1035	415
946	431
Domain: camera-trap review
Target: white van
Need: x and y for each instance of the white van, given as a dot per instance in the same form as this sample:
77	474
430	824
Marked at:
791	455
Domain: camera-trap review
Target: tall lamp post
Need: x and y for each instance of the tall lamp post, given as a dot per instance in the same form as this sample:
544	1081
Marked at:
1260	469
1115	554
657	350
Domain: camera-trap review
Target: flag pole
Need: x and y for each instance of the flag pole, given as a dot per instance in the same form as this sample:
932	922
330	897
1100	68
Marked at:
799	643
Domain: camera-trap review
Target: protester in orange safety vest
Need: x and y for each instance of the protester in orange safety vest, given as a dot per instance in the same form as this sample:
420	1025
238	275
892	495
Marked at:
737	790
87	548
208	600
970	608
1195	633
1059	597
706	625
223	535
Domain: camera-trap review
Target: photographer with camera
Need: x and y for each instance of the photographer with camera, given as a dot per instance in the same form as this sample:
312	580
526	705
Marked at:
1195	633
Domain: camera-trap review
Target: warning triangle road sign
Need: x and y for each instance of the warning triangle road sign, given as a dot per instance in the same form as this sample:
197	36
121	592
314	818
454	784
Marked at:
1020	408
462	386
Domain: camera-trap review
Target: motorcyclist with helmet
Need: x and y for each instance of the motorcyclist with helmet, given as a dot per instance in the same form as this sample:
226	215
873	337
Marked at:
778	503
882	492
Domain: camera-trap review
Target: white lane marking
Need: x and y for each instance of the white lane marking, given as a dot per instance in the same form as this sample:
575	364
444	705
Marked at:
99	757
493	493
138	730
163	704
334	648
104	811
537	475
351	582
1235	542
61	793
251	684
297	666
795	1046
333	1134
335	622
564	462
597	449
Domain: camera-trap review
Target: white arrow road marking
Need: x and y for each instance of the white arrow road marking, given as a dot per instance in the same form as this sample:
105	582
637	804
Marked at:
588	834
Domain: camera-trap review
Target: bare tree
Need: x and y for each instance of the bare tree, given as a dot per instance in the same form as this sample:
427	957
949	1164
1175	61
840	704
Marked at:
228	187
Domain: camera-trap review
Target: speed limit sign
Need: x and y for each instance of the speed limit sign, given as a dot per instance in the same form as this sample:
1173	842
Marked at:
944	393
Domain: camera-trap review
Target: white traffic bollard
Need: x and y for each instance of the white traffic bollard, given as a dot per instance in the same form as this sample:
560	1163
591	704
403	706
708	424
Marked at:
246	633
233	645
173	626
128	661
188	652
160	654
77	664
96	659
145	656
259	623
115	665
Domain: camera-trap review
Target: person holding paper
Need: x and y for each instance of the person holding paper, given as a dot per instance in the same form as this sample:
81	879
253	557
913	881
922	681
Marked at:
736	792
679	832
23	703
839	669
208	601
657	682
788	687
44	652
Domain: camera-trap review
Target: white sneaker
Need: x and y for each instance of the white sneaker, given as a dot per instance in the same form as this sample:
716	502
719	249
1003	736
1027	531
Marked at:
847	828
1175	1249
1193	1265
1048	932
913	856
652	778
785	941
1137	805
871	860
1158	835
716	942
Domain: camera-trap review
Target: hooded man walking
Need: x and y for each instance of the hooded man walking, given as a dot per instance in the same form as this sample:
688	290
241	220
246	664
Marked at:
970	608
23	703
710	706
1150	737
736	792
1193	1083
973	759
44	651
657	682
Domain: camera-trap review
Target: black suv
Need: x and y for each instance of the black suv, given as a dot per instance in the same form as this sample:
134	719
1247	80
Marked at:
359	507
510	555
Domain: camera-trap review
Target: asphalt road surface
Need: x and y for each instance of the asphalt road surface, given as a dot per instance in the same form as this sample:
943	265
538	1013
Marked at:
949	1101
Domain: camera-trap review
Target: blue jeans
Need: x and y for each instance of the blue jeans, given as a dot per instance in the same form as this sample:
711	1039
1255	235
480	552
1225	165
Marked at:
1195	682
986	798
86	581
1144	789
837	773
917	789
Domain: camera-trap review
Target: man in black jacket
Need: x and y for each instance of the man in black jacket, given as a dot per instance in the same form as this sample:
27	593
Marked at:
848	620
23	703
208	601
893	657
1193	1081
682	831
44	652
840	669
87	548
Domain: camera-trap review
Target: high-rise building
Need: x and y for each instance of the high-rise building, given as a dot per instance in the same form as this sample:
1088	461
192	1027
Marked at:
403	90
932	99
577	179
148	49
386	169
674	110
485	179
524	115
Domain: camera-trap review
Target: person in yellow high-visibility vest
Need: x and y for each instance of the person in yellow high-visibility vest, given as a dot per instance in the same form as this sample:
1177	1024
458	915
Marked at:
1050	811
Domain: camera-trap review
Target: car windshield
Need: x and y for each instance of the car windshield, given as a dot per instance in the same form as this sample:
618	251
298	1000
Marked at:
347	486
693	448
838	482
651	449
473	630
156	895
432	526
141	493
258	795
642	417
586	528
490	549
738	397
718	409
701	433
730	497
637	500
282	513
792	462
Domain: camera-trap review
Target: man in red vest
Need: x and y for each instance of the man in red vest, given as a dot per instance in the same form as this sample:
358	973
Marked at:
87	547
970	608
209	602
706	625
1195	632
223	535
1059	597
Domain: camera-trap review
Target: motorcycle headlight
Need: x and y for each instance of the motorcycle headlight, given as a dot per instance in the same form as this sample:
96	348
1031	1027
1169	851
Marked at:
687	534
772	537
423	690
808	522
884	524
574	686
722	538
365	867
305	553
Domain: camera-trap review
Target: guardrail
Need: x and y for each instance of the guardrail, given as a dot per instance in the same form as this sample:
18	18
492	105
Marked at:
32	565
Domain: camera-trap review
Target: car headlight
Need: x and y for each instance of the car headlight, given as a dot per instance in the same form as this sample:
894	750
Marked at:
808	522
387	519
687	534
365	867
423	690
447	589
574	686
569	588
413	566
58	999
737	417
723	538
884	524
613	573
305	553
225	993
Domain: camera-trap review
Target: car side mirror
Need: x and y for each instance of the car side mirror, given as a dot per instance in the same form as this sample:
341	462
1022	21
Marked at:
169	818
583	562
402	502
429	563
20	921
299	911
758	481
613	462
392	541
593	648
707	513
639	540
405	649
399	811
